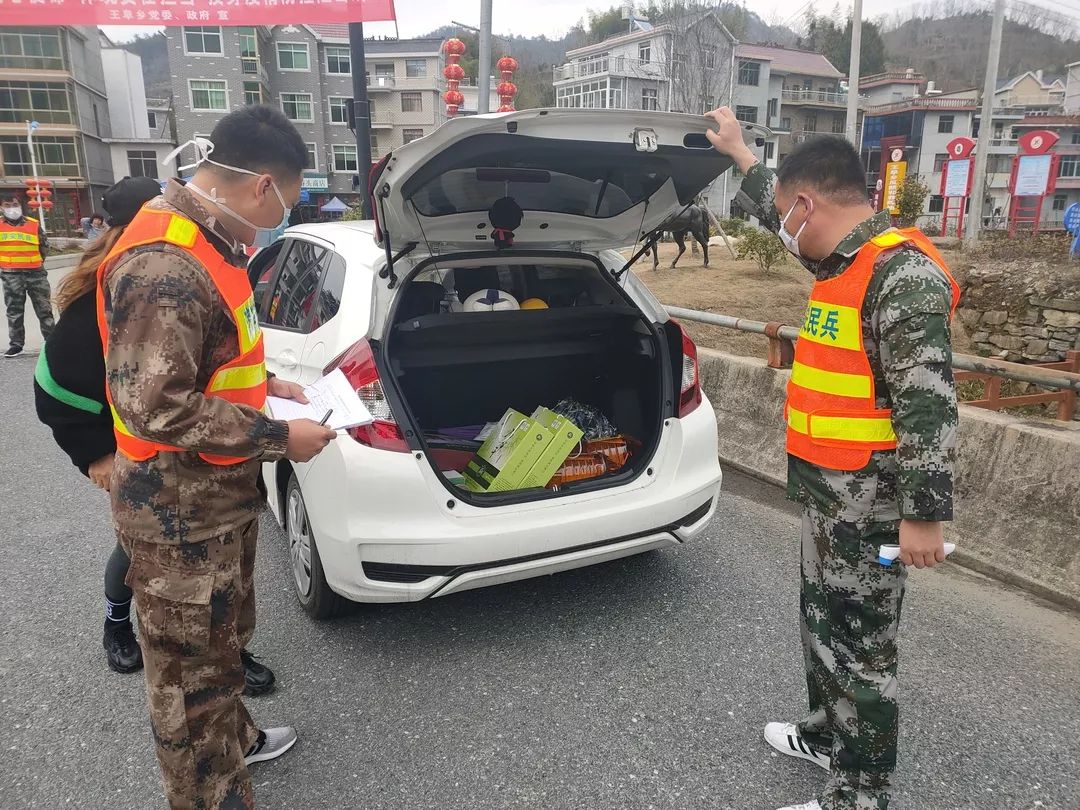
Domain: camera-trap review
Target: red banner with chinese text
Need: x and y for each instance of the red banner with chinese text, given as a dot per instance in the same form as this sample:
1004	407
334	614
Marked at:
193	12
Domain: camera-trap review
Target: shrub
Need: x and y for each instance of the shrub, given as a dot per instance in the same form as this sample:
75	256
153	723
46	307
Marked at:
763	247
735	226
912	199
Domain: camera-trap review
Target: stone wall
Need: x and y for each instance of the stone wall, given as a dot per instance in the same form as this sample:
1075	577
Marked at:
1022	312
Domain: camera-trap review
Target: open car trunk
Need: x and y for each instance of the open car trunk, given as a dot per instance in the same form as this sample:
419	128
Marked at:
458	370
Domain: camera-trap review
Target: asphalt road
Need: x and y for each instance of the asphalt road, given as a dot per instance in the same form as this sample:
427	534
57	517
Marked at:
643	683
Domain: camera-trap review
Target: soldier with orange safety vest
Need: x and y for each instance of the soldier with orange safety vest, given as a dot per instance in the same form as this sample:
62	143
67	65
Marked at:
22	271
186	385
871	424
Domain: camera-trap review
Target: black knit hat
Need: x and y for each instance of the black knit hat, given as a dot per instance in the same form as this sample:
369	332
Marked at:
124	198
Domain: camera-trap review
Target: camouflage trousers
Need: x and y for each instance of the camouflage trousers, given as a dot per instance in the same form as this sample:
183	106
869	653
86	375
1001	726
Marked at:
18	284
196	609
850	607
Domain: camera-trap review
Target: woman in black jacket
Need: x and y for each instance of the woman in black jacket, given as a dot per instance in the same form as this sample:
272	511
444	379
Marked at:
69	392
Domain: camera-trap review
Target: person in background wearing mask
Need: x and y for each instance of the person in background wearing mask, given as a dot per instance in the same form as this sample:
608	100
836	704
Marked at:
22	271
871	413
186	382
94	226
69	394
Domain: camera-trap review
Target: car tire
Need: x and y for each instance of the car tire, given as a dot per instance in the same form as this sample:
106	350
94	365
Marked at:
308	577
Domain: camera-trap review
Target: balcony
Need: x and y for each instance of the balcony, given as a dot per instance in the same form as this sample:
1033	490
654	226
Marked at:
817	98
924	103
382	119
253	67
608	66
377	83
1006	142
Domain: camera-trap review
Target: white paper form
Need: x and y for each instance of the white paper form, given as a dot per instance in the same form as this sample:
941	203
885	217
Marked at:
330	392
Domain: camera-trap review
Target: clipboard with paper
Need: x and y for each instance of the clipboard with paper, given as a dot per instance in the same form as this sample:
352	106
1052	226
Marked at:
332	392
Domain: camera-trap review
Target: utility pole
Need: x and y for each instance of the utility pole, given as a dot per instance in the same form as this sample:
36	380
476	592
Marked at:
483	69
982	148
361	115
852	124
30	127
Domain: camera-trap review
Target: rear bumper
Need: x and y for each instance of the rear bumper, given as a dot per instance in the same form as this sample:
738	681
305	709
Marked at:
388	530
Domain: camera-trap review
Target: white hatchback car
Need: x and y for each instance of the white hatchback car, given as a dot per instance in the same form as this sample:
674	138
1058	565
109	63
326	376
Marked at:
375	517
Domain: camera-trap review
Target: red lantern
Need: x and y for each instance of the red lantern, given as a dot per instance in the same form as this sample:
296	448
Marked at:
454	47
506	108
47	205
506	89
454	72
507	64
454	97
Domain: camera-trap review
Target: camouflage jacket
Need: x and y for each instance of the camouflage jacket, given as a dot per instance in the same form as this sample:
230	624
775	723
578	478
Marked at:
905	324
168	332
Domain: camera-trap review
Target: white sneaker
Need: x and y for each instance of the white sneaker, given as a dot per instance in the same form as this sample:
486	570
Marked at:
814	805
273	742
785	738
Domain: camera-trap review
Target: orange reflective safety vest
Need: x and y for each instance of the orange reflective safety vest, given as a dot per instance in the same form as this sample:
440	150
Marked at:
20	245
832	416
242	380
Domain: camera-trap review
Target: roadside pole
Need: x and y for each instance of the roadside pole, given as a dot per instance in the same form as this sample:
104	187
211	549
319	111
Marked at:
852	124
483	69
40	212
982	147
361	114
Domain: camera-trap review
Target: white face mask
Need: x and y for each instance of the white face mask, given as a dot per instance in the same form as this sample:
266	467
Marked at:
13	212
792	242
203	148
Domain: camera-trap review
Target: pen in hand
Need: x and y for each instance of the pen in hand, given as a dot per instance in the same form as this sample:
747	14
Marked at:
328	412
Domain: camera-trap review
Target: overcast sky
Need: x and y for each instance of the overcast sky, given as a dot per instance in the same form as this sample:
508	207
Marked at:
550	17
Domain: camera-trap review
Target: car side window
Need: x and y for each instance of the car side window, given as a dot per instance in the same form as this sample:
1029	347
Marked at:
294	296
261	273
332	285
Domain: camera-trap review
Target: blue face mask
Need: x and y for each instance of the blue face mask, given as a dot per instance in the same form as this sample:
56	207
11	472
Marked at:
265	236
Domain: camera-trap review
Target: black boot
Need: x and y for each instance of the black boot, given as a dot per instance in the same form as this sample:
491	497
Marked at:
122	651
258	680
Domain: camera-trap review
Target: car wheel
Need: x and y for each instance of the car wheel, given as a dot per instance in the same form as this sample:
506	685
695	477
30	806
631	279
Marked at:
309	580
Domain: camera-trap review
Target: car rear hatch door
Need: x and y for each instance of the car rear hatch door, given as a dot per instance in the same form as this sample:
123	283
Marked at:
583	179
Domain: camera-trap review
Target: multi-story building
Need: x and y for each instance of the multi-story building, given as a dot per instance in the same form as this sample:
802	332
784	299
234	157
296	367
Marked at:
307	71
54	76
1072	88
141	135
1033	90
1067	190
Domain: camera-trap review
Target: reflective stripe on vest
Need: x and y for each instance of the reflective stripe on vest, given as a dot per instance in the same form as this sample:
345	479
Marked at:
832	416
20	245
242	380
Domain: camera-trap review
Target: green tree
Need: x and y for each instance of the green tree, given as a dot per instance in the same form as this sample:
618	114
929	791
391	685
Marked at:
826	37
911	200
763	247
604	24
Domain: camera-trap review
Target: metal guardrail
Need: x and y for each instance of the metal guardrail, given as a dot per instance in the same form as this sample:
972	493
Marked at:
782	350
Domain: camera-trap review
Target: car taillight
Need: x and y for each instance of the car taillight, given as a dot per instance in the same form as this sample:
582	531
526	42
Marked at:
690	388
357	363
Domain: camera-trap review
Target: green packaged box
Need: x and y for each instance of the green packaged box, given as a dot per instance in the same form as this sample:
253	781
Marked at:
507	455
565	436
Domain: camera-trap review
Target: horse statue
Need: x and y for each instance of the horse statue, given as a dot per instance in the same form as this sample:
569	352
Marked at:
693	220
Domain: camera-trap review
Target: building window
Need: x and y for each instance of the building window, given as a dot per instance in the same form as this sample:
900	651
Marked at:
297	106
709	55
785	124
151	120
588	95
31	49
644	51
1059	202
338	60
293	56
209	95
1069	166
202	40
249	42
56	156
945	123
937	204
650	98
1076	139
374	145
410	135
416	68
770	150
97	120
939	161
746	113
837	125
46	103
412	102
999	164
312	157
811	123
252	93
142	163
344	157
771	108
749	73
339	109
385	69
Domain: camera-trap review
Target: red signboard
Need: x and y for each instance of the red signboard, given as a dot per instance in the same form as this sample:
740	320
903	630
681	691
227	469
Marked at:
1037	142
960	148
187	12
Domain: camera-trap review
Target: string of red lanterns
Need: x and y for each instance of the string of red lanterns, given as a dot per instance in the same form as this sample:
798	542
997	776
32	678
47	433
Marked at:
454	73
507	89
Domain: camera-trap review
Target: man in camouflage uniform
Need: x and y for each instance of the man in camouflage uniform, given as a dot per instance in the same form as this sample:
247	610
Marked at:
188	521
23	248
850	604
